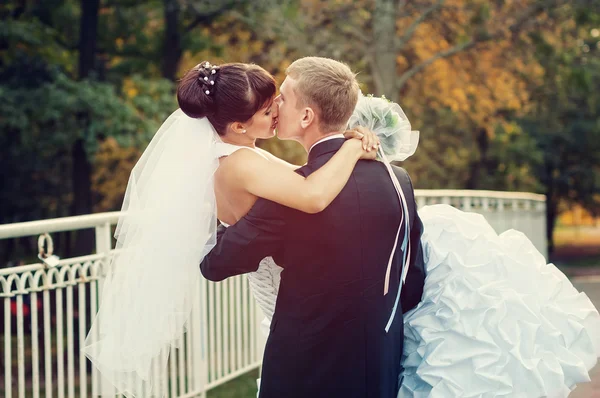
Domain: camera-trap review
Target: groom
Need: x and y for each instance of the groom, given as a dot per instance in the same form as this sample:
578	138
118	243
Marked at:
334	332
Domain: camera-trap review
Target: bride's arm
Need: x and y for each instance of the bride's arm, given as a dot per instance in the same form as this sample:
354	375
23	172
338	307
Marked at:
276	182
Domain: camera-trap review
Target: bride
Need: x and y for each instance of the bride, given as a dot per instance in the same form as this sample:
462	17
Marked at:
203	163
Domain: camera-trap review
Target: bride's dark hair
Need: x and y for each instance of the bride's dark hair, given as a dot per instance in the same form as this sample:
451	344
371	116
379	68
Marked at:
236	93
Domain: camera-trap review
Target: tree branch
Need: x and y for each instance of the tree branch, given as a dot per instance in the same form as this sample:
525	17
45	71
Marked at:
204	19
401	7
413	26
444	54
513	30
534	10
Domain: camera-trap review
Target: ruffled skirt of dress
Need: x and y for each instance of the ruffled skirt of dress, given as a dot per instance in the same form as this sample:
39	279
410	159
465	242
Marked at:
496	320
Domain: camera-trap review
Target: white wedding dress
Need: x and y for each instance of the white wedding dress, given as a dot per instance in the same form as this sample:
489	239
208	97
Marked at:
495	319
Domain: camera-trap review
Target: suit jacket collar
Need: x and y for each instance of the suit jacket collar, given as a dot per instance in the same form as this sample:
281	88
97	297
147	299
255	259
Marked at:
324	148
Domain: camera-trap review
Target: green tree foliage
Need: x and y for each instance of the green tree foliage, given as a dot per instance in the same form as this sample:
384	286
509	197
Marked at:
504	93
561	147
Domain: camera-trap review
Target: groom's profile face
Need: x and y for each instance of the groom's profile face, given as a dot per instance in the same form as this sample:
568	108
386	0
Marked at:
290	116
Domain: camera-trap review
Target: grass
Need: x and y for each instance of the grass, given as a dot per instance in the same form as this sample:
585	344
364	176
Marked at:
241	387
577	250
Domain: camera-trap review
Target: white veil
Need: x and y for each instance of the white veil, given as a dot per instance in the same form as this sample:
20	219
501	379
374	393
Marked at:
167	226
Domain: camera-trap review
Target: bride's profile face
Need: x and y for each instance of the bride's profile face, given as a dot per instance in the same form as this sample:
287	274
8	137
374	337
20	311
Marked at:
263	123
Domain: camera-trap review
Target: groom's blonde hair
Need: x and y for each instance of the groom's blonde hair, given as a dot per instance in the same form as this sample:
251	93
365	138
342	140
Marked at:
328	86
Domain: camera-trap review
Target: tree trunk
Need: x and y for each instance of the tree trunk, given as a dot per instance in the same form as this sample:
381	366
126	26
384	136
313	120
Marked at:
482	162
82	195
88	36
551	213
551	205
81	168
383	62
172	51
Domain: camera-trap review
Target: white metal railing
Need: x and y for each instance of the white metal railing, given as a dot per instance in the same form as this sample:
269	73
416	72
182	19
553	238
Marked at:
48	311
523	211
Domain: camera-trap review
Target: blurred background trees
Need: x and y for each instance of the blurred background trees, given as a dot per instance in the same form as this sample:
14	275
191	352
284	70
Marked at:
504	92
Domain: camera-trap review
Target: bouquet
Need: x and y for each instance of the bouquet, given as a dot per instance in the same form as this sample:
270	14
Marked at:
388	121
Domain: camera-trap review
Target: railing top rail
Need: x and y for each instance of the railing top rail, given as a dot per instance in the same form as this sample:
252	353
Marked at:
30	228
433	193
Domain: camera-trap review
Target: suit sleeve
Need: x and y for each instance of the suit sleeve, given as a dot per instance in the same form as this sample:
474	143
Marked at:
241	247
415	279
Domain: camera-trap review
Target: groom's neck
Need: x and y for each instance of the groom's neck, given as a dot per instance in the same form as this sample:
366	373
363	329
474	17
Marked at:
312	138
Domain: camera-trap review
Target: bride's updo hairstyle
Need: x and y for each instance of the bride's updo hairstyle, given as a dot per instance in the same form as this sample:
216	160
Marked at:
226	93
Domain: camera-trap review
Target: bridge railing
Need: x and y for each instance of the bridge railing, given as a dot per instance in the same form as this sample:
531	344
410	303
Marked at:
47	311
522	211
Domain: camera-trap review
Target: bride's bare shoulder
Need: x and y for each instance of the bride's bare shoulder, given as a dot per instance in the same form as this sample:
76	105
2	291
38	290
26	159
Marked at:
241	163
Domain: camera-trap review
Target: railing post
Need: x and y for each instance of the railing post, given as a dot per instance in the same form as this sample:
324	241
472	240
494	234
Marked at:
103	238
103	246
485	204
199	328
467	203
261	339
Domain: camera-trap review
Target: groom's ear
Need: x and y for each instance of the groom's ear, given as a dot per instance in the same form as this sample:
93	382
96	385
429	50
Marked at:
307	118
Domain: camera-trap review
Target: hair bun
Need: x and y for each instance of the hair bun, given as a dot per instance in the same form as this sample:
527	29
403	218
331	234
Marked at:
196	91
225	94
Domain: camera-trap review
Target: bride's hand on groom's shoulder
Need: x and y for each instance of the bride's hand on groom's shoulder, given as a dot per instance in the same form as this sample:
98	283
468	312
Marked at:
369	142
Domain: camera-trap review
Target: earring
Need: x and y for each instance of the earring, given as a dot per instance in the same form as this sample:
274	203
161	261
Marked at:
243	131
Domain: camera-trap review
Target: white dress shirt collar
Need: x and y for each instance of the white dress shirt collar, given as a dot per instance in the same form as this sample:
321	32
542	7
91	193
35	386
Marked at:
329	137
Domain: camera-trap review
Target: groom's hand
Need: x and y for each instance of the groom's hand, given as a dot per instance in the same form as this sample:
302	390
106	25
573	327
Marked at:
370	141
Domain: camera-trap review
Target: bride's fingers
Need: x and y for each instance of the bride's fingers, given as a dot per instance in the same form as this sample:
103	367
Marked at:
370	139
349	134
367	138
374	141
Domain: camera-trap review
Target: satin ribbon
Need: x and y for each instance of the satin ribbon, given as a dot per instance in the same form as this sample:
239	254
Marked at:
405	219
